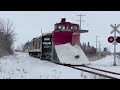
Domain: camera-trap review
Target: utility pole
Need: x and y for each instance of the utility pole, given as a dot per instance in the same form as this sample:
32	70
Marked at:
96	42
80	19
41	32
96	47
99	46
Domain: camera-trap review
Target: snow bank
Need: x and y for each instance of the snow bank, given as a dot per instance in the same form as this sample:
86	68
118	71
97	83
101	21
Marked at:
22	66
107	64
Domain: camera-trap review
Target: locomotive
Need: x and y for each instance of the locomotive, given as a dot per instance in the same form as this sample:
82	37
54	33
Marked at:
51	46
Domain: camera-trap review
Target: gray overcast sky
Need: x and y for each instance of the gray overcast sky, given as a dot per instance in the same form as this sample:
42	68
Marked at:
28	24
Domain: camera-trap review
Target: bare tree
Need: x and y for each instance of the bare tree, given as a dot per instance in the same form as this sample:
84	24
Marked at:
7	36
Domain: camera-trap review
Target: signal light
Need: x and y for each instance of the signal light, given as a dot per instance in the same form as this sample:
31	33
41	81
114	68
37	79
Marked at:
110	39
118	39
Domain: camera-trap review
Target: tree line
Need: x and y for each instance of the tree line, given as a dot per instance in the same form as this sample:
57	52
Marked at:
7	37
88	49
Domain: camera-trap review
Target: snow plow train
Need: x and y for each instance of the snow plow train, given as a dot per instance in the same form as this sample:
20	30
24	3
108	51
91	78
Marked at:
60	46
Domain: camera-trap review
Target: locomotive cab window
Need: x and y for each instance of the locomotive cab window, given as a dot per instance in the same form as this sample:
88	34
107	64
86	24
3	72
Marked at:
55	26
67	27
73	27
61	27
76	27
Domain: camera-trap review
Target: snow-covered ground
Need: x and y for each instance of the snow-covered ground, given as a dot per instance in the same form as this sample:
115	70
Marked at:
107	64
22	66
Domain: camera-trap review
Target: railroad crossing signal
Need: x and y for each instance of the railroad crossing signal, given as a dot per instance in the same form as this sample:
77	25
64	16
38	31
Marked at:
110	39
114	40
118	39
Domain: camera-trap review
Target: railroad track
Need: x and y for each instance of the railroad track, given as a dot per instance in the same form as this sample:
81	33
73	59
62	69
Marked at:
100	72
95	71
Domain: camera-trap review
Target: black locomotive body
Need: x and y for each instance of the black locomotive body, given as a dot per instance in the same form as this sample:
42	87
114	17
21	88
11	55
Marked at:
41	47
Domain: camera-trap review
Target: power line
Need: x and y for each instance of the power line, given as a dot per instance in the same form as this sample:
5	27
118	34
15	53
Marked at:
86	25
74	13
99	50
80	19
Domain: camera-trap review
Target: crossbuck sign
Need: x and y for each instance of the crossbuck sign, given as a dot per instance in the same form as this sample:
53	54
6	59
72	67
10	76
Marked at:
115	28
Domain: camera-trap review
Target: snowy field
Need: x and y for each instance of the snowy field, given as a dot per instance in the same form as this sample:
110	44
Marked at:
22	66
107	64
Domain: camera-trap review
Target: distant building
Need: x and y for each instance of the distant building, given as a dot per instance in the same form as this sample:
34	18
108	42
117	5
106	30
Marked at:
105	49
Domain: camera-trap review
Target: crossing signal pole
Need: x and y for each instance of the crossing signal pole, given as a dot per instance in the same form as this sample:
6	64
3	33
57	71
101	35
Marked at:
115	40
80	19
